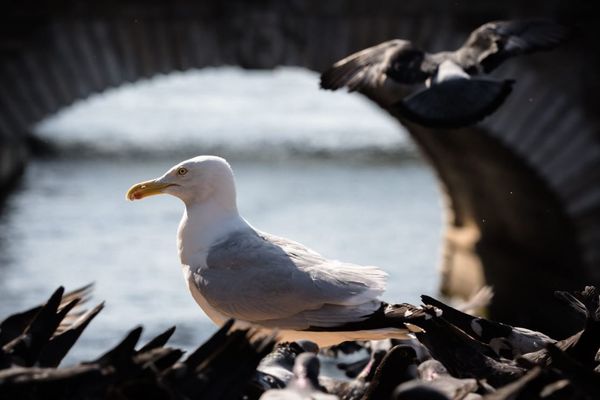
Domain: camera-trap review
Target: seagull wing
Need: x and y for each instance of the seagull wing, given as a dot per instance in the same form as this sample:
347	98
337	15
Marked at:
257	277
368	68
492	43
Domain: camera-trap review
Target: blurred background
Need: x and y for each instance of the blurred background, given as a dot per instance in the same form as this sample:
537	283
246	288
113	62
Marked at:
306	168
98	96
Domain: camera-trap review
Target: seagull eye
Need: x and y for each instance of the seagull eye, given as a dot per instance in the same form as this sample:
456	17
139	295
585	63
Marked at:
182	171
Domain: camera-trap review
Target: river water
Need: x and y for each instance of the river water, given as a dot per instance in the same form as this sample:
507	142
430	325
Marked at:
326	169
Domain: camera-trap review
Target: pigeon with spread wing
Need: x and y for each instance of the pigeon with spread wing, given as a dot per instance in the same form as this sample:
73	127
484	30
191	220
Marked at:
452	90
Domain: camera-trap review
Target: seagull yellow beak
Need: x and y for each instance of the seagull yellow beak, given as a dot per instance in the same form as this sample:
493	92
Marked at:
145	189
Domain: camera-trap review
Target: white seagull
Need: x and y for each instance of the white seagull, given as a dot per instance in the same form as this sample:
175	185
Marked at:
236	271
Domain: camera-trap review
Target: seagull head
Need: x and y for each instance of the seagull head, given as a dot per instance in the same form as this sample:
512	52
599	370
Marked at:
197	180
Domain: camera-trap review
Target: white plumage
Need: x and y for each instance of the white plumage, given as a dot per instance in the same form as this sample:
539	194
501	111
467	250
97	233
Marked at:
236	271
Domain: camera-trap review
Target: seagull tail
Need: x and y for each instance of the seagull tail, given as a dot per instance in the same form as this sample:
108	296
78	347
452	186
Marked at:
409	317
389	321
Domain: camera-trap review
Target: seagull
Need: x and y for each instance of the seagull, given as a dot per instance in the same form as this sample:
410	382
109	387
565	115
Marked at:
233	270
451	89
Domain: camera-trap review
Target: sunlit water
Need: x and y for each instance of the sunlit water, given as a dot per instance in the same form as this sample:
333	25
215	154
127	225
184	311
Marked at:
328	170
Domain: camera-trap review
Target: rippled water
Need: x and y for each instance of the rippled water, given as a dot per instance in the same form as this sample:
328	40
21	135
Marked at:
327	170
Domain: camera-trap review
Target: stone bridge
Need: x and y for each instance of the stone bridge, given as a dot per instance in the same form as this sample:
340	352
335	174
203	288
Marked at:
522	188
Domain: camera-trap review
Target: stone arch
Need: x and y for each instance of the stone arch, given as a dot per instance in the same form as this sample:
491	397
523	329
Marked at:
543	145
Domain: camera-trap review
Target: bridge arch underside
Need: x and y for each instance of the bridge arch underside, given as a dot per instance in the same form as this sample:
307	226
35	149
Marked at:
523	187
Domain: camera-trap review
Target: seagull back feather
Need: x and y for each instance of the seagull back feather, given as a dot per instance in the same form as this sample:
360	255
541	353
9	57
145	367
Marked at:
257	277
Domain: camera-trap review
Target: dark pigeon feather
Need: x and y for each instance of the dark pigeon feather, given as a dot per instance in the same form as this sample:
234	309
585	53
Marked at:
58	347
454	103
495	42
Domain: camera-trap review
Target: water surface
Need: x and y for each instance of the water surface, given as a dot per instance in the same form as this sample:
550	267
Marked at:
337	176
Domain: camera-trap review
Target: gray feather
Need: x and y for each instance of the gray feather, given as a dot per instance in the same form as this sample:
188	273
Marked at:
256	277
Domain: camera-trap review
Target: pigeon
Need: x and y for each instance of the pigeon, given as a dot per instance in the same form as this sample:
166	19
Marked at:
582	346
305	383
452	89
355	389
47	334
506	341
275	371
463	356
399	365
436	375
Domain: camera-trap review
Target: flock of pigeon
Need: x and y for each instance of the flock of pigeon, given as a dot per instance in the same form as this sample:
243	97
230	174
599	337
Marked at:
453	355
